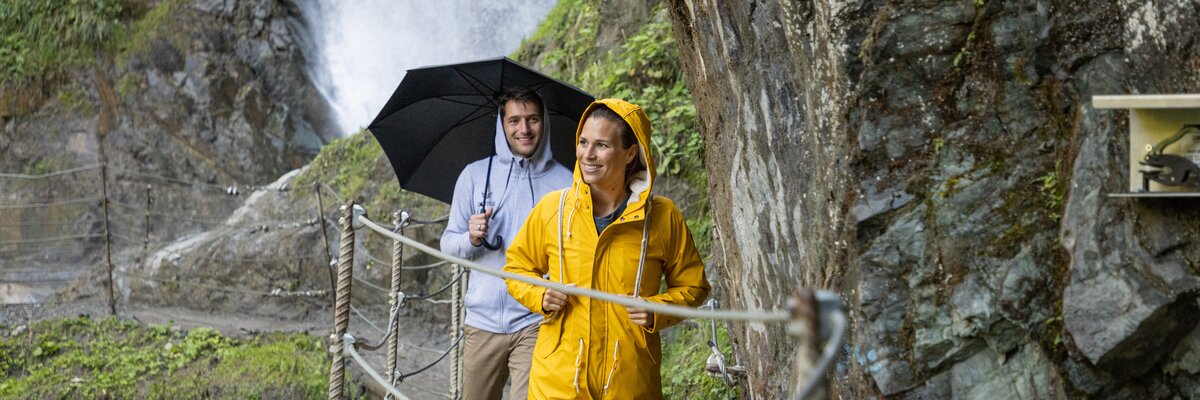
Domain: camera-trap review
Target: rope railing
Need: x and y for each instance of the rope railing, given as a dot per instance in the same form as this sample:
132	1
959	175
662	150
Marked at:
50	174
679	311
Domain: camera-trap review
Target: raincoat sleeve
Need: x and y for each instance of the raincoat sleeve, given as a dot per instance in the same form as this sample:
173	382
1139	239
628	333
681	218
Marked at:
456	241
683	270
527	256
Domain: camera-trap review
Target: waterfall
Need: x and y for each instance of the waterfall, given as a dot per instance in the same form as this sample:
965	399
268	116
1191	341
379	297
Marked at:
358	51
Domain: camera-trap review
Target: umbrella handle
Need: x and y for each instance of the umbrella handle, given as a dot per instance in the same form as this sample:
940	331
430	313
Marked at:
493	247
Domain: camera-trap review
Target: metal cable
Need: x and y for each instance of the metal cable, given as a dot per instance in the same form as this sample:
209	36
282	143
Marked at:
454	345
348	339
453	281
273	293
50	174
54	249
50	204
668	309
243	260
48	270
49	239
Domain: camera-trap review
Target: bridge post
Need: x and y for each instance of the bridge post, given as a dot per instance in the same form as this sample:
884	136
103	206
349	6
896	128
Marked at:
400	218
341	309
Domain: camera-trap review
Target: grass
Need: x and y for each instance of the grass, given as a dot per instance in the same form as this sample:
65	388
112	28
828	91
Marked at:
112	358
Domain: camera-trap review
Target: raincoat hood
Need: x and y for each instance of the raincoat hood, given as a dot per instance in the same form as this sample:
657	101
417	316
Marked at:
640	184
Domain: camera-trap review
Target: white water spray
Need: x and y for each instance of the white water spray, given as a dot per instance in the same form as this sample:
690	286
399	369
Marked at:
359	50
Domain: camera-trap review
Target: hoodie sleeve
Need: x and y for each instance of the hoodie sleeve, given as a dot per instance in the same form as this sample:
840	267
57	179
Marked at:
455	239
527	256
683	271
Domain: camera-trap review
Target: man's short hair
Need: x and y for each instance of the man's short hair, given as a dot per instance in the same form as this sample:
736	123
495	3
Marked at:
521	94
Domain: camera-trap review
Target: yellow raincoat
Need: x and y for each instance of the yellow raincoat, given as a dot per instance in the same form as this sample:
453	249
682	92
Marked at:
590	348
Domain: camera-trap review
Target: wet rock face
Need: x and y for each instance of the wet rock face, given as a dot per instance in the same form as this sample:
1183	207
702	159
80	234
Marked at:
216	95
939	163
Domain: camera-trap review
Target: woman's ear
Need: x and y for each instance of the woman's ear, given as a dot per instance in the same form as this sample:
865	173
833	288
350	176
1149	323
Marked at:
632	153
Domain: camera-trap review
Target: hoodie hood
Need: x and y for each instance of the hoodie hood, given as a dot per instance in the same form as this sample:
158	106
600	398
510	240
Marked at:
640	184
542	159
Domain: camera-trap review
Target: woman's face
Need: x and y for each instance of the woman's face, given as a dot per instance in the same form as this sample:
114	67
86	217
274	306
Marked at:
602	160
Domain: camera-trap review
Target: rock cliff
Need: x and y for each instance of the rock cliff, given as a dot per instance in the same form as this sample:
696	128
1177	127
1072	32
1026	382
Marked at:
940	164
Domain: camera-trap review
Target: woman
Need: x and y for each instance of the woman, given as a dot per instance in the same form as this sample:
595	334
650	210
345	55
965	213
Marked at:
606	232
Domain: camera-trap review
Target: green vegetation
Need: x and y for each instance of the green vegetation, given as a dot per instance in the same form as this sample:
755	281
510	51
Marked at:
111	358
684	357
48	36
644	70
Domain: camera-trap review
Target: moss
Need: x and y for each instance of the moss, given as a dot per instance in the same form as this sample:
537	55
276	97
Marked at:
150	24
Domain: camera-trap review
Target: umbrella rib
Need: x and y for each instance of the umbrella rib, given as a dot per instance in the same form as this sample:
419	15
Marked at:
472	80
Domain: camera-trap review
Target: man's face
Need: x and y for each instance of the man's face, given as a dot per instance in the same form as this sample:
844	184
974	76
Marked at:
522	127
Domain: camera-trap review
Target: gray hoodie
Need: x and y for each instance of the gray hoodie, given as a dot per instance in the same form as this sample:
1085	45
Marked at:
516	185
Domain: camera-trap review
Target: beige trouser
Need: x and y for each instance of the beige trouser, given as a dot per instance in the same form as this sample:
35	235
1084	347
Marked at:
489	359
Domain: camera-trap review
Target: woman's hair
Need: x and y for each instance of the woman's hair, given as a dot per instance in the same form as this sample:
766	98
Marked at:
628	139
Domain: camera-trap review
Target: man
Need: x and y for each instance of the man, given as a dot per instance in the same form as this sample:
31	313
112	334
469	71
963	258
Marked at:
491	200
606	232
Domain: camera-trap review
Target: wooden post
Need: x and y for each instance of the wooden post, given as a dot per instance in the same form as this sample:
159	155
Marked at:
324	235
112	300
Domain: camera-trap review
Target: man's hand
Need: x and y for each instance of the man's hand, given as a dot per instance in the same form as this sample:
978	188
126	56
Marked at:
553	300
640	316
477	227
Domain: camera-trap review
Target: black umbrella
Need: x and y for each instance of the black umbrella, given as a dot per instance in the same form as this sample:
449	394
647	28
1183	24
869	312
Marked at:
442	118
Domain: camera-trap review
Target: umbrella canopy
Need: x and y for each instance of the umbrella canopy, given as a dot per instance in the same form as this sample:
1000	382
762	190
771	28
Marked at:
442	118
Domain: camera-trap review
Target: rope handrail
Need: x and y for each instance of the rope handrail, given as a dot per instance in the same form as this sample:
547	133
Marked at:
50	239
668	309
51	203
50	174
349	341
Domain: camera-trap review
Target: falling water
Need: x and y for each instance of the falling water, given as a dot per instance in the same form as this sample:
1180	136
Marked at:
359	50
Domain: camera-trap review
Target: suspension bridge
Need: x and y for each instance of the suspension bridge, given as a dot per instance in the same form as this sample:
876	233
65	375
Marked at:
814	319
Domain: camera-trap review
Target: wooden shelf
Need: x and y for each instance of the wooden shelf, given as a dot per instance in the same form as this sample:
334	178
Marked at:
1145	195
1144	101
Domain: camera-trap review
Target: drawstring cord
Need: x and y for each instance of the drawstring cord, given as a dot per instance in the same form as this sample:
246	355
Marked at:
578	362
562	200
614	367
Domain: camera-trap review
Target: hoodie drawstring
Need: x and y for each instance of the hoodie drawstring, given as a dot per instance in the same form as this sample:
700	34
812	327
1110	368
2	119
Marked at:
607	381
